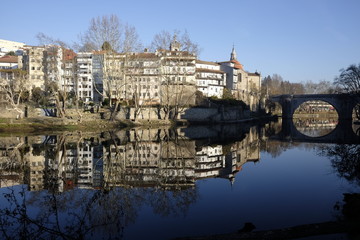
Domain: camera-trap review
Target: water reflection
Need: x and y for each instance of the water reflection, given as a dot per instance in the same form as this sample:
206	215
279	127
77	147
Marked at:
345	159
315	127
127	170
83	186
140	157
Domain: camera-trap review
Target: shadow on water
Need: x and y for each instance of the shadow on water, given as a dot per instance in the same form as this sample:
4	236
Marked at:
84	186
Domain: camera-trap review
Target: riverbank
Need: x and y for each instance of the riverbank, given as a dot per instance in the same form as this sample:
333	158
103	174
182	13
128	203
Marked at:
53	124
43	124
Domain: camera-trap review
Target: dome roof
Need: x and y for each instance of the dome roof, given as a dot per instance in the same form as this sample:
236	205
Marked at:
237	64
233	60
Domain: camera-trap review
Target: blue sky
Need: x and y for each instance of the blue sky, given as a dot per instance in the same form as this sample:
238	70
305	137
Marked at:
298	39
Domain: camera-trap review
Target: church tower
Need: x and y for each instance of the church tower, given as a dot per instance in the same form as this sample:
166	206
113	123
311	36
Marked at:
233	54
175	45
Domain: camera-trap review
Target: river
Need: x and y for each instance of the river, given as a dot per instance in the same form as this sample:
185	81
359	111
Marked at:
167	183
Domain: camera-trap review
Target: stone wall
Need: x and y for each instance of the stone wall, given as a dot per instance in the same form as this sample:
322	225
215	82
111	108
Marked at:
220	114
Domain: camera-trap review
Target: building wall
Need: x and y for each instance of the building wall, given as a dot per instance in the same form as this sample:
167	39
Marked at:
210	80
34	65
84	83
7	46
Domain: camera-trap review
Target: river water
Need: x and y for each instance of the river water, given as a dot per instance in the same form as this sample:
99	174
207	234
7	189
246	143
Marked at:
167	183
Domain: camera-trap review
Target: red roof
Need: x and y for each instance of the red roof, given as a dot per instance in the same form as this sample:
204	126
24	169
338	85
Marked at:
208	70
237	64
69	54
9	59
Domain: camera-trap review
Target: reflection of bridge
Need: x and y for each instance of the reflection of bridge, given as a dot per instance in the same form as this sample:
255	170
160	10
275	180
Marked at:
343	133
343	103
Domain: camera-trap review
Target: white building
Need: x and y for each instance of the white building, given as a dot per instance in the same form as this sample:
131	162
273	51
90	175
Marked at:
210	80
53	64
69	71
33	61
84	83
7	66
9	62
8	46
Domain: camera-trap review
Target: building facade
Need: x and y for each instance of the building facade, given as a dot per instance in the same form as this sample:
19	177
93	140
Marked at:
148	78
33	63
244	86
7	46
210	80
166	76
84	78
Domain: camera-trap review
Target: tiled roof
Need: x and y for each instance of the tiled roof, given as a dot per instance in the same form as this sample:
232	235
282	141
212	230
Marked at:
144	55
9	59
254	74
237	64
69	54
208	70
205	62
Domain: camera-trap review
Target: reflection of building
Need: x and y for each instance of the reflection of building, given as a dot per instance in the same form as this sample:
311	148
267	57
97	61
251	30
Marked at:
84	165
135	158
36	165
226	161
209	160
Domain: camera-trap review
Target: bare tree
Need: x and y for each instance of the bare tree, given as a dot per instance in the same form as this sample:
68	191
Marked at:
349	82
163	39
47	40
131	42
349	79
13	89
321	87
121	37
177	74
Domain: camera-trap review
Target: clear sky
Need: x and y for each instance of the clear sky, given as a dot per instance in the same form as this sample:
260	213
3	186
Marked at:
298	39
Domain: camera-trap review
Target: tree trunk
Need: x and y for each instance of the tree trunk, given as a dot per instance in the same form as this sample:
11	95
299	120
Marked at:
357	111
114	111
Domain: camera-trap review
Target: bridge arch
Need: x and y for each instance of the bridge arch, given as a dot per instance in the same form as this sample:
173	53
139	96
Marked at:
342	134
343	103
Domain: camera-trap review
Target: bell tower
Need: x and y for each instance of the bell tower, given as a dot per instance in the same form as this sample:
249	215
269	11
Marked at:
175	45
233	54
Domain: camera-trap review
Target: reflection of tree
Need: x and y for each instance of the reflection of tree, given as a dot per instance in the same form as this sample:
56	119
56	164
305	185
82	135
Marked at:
64	216
174	202
83	214
345	159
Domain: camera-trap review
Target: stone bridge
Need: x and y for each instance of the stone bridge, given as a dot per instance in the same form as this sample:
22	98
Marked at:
343	103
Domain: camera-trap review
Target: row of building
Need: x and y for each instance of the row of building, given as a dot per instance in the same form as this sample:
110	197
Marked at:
50	163
147	77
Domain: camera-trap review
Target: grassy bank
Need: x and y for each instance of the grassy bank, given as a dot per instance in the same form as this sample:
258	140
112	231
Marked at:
43	124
